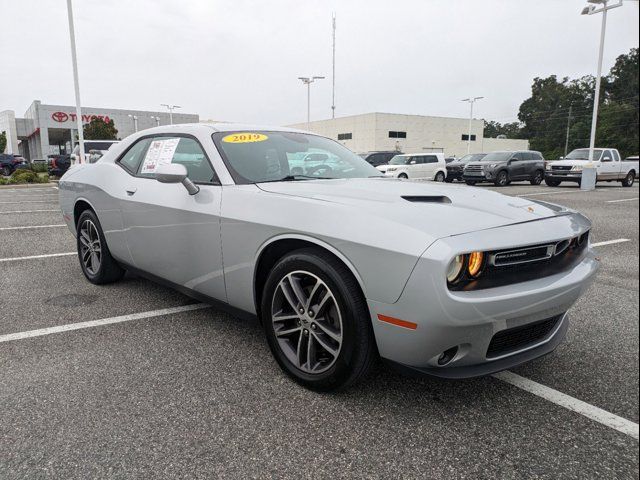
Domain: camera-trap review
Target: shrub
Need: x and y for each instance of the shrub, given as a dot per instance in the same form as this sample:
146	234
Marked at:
4	181
39	167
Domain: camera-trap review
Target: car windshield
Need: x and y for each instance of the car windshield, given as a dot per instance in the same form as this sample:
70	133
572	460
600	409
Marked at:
399	160
497	157
583	154
254	157
473	157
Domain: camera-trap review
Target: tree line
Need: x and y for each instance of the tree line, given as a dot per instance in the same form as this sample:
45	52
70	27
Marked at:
557	105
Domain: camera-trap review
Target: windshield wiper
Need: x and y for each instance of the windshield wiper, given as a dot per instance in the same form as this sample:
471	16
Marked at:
294	178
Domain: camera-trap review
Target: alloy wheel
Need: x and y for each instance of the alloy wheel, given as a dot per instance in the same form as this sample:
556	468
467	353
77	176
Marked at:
90	247
307	322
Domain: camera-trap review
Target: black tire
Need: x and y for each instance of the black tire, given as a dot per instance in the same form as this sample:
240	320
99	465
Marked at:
403	175
357	352
6	171
440	177
552	183
537	178
108	270
502	179
470	183
630	179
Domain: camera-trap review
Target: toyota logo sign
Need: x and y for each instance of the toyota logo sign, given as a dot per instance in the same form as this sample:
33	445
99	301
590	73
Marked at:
60	116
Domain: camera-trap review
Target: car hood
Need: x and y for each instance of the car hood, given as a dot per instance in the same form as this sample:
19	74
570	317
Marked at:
456	164
437	209
567	163
383	168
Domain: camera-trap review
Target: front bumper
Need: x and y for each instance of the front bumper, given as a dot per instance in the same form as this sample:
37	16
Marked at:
469	320
563	175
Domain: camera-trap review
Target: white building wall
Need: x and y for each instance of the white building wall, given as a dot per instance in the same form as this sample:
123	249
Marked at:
371	132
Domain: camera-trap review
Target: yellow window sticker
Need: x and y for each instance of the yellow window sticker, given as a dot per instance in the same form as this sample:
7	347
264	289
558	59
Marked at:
245	137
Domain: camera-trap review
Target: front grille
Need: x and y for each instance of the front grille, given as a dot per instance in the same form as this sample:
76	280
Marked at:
474	169
514	339
517	265
561	167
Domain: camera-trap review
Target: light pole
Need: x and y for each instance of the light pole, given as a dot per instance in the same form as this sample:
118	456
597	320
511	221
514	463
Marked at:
471	101
308	81
171	108
76	82
157	120
592	10
135	122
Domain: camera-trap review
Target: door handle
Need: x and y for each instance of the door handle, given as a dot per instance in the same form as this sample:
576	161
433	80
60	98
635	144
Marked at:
130	191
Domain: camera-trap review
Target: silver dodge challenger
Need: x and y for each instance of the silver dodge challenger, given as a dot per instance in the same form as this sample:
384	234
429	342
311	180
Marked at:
340	265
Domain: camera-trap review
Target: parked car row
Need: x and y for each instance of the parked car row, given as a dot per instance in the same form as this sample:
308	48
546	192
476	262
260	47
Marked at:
502	168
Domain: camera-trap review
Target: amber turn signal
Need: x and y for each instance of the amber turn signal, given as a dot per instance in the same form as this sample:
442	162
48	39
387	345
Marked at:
476	262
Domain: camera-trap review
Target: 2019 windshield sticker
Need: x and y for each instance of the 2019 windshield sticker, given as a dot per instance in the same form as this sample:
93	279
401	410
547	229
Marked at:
245	137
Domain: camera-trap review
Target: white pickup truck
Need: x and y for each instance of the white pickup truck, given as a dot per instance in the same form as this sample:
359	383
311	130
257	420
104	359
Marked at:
607	161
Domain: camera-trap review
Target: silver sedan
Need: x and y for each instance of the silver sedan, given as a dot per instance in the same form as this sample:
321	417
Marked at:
340	266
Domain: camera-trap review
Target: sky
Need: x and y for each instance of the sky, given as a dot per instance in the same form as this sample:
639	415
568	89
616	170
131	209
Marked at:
239	60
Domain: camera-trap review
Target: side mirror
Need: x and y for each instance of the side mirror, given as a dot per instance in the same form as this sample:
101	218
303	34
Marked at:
606	159
176	173
412	162
561	158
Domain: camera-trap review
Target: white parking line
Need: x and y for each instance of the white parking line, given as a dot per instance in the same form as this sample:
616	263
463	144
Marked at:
32	226
26	201
97	323
610	242
558	192
34	257
592	412
29	211
623	200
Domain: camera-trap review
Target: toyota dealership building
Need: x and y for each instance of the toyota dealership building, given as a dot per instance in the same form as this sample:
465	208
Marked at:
52	129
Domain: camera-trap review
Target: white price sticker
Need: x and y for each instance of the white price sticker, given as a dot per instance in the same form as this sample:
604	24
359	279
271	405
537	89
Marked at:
160	153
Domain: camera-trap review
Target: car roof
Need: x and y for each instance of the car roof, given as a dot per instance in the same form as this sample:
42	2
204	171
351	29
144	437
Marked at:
219	127
419	153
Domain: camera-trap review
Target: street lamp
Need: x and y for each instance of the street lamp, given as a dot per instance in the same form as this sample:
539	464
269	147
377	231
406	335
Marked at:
592	10
135	122
76	82
157	119
471	100
308	81
171	108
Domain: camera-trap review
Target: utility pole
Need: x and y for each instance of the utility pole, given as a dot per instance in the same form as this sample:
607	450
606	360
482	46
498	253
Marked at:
135	122
308	81
566	142
471	101
171	108
76	82
333	78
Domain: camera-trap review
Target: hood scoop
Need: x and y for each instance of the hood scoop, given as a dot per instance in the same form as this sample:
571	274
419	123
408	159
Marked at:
426	198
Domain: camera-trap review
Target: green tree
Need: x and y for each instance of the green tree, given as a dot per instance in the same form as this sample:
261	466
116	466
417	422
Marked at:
511	130
98	129
3	141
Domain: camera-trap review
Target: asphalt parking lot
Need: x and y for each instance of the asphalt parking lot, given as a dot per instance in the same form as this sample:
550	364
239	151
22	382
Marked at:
196	394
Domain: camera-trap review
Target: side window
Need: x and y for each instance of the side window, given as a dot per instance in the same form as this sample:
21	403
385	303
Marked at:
607	153
132	158
182	150
419	159
518	157
616	155
431	159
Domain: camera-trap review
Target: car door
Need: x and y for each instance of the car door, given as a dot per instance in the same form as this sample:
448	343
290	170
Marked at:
608	169
171	234
517	166
431	166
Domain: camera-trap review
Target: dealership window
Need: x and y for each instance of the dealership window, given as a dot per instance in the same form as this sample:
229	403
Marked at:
465	137
397	134
345	136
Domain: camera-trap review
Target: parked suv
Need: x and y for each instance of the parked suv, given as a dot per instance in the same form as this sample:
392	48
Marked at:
416	165
456	167
9	162
502	168
378	158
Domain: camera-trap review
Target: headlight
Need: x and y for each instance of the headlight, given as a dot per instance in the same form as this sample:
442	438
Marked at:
548	167
476	262
576	168
455	269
